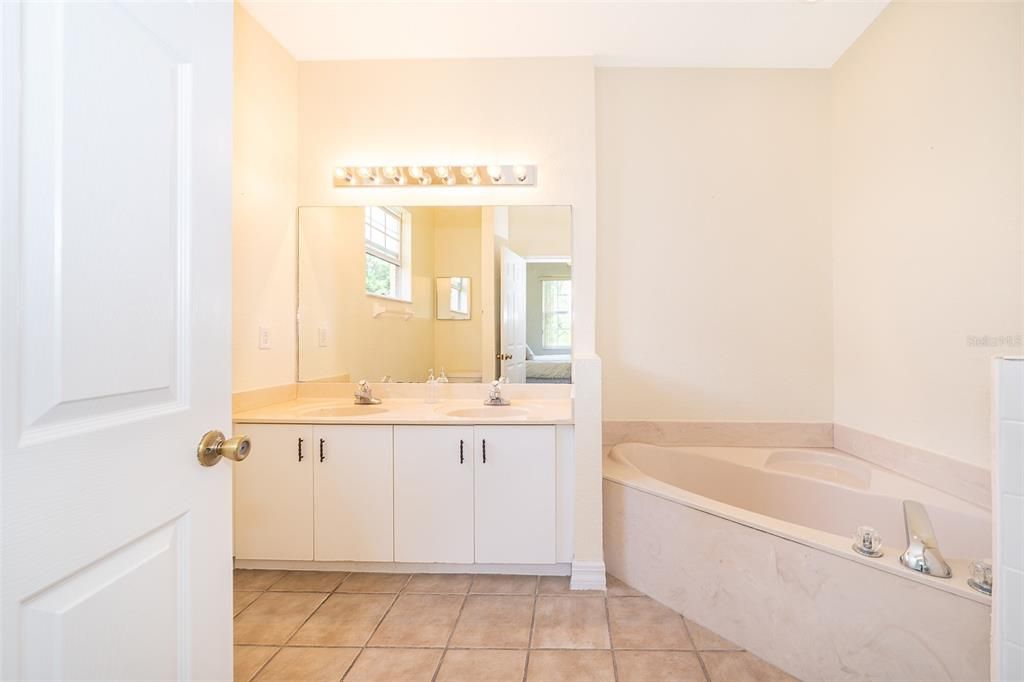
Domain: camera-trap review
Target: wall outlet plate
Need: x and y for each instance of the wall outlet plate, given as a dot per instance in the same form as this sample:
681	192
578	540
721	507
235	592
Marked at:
264	338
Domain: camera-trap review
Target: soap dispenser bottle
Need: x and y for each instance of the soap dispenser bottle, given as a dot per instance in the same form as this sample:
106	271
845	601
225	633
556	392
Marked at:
443	379
431	387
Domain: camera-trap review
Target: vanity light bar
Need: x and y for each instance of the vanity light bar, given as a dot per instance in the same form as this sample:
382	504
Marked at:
398	176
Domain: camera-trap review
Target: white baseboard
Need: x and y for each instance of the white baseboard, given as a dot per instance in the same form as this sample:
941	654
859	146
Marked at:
404	567
587	575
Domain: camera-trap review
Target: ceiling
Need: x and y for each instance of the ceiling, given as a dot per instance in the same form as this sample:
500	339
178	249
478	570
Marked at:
713	33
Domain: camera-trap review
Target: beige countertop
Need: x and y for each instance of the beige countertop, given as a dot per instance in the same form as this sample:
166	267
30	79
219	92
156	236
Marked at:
409	411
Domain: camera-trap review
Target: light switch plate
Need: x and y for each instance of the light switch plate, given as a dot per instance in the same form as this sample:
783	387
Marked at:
321	335
264	338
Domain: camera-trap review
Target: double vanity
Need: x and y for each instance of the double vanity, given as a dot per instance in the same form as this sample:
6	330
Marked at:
427	467
407	485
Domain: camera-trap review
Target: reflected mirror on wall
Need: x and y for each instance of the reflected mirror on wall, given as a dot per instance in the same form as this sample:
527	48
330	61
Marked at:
387	293
453	298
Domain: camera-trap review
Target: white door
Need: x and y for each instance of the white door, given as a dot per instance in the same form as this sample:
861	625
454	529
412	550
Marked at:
274	493
354	493
515	494
434	494
513	316
115	299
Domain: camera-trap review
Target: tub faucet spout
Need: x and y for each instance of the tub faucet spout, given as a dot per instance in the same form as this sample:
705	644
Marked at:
922	553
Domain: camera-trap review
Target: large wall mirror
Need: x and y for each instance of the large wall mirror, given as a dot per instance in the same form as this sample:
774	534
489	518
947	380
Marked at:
389	293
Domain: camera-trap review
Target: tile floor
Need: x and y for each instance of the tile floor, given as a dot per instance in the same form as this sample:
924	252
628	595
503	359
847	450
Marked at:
292	625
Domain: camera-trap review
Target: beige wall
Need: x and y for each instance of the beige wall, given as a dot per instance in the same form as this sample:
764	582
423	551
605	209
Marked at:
457	232
333	293
264	200
714	244
540	231
926	211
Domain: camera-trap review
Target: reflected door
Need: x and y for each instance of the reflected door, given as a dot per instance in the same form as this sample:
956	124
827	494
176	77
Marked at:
115	306
513	316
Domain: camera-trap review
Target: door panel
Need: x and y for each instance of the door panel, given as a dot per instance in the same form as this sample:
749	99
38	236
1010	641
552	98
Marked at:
115	339
513	316
274	494
434	494
515	494
354	493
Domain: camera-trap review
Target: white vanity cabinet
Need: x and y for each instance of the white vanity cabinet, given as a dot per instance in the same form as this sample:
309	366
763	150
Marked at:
434	494
483	494
515	494
444	493
273	494
352	494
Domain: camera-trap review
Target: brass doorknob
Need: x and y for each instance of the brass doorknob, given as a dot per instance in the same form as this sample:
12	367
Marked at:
214	445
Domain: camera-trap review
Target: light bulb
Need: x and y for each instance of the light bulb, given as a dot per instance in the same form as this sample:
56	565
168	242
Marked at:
495	173
424	179
394	175
416	172
343	174
520	172
365	172
475	180
469	172
441	172
449	179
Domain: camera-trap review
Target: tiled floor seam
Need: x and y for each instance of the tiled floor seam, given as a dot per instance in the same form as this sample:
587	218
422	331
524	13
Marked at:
696	649
611	643
375	627
533	620
440	661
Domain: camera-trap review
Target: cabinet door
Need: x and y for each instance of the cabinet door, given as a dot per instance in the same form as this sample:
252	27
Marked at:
434	494
274	493
354	494
515	494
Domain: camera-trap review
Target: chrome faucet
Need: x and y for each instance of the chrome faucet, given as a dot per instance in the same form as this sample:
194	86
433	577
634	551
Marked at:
364	394
494	396
922	553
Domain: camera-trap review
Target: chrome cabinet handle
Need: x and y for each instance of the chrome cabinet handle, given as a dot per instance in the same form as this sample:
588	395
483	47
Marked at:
485	450
322	457
462	457
300	449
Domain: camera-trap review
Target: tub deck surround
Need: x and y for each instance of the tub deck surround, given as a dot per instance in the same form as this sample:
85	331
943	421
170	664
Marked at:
407	411
755	547
964	480
961	479
819	506
723	433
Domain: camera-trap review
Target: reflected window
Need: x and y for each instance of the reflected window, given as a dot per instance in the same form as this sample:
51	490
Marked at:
459	295
385	271
556	323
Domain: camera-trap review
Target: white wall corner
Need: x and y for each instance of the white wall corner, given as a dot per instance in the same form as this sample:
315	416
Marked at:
587	575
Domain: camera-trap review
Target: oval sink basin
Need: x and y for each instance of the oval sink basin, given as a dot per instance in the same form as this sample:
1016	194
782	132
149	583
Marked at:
495	412
343	411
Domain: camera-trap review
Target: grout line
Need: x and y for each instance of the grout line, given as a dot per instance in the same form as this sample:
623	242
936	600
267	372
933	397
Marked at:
451	634
326	596
533	622
611	643
700	659
375	627
265	663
